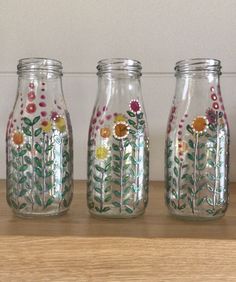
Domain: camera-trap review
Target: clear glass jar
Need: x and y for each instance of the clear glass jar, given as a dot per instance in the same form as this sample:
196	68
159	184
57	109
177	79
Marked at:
39	142
118	152
197	143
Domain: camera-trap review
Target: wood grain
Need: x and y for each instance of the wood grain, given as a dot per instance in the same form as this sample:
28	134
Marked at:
154	247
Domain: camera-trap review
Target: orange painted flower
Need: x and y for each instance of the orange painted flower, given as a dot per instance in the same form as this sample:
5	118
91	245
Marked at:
120	130
18	138
46	125
105	132
199	124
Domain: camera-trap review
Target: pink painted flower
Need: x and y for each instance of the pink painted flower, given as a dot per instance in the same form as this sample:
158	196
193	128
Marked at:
135	106
31	96
215	105
213	97
211	116
42	104
54	116
31	108
43	114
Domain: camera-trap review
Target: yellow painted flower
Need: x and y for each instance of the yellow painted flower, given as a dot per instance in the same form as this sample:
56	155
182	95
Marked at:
119	118
183	146
101	153
60	124
121	130
199	124
46	125
18	138
105	132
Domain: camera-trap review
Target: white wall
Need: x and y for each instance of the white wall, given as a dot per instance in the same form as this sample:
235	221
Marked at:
80	32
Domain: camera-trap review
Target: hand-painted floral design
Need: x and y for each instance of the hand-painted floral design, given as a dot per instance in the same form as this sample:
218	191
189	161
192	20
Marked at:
120	130
211	116
105	132
120	117
31	108
102	153
199	124
39	157
135	106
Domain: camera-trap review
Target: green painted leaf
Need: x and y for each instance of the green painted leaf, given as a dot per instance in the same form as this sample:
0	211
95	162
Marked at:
14	152
191	144
66	155
38	148
182	207
211	163
22	206
189	128
14	205
27	131
49	173
128	210
66	140
115	147
117	158
49	186
191	192
131	114
97	199
174	193
23	192
127	189
49	148
126	156
140	115
106	209
27	160
141	122
201	157
117	193
177	160
98	190
38	162
22	179
176	172
38	200
200	201
116	169
23	167
37	132
183	196
49	163
116	204
36	119
201	166
39	186
131	122
108	167
211	127
100	169
126	201
108	198
96	178
173	204
210	211
190	156
38	171
28	146
49	201
210	201
116	181
131	131
27	121
125	179
126	143
22	153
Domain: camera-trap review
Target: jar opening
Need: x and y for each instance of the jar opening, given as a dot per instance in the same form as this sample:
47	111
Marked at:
39	64
118	65
198	65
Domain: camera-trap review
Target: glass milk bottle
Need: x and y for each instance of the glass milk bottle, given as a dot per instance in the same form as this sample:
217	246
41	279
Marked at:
118	152
39	142
197	143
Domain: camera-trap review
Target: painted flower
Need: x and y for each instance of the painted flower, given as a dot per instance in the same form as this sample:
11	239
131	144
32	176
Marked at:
211	116
54	116
105	132
135	106
199	124
46	125
18	138
60	124
101	153
31	96
183	147
120	117
120	130
31	108
215	105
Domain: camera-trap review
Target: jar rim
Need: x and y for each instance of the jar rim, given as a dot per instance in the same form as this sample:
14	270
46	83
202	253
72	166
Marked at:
119	64
34	64
198	65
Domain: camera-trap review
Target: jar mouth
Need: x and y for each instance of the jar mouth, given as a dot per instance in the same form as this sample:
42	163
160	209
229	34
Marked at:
35	64
119	65
198	65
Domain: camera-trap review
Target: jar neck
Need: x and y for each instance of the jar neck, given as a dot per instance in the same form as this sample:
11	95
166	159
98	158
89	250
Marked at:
119	68
198	68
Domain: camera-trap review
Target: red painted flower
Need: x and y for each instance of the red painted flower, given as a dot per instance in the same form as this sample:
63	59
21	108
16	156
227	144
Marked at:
31	108
213	97
31	96
215	105
54	116
135	106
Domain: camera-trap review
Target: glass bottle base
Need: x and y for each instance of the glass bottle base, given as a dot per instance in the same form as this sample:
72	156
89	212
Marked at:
196	217
40	215
115	216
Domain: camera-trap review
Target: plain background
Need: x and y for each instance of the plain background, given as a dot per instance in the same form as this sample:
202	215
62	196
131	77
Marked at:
81	32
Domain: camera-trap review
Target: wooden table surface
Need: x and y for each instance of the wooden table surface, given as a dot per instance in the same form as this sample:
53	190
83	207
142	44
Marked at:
153	247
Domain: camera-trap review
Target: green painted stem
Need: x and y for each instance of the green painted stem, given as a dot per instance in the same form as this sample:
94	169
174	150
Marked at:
217	162
195	172
121	173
